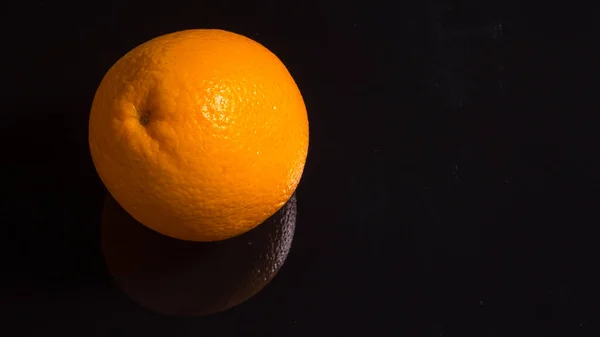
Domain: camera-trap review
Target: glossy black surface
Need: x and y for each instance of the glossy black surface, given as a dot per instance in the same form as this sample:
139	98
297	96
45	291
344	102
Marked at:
451	185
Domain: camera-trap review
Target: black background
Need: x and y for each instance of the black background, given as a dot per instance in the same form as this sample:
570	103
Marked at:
451	187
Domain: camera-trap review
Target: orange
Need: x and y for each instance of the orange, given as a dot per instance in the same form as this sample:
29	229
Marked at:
200	135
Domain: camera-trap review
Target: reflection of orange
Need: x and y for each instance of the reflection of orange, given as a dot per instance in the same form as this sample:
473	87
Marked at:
200	135
186	278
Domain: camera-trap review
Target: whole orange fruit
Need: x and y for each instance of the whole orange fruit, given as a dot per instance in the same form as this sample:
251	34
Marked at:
200	135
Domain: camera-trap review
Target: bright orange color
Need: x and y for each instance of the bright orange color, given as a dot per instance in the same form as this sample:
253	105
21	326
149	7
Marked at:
200	135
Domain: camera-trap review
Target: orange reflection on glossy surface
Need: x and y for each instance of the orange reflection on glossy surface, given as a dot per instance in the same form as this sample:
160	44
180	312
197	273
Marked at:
178	277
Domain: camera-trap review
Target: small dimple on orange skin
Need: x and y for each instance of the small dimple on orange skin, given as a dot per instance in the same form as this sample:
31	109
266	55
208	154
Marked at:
200	135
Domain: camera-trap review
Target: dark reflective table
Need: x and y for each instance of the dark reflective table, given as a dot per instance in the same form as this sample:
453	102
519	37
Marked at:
450	189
